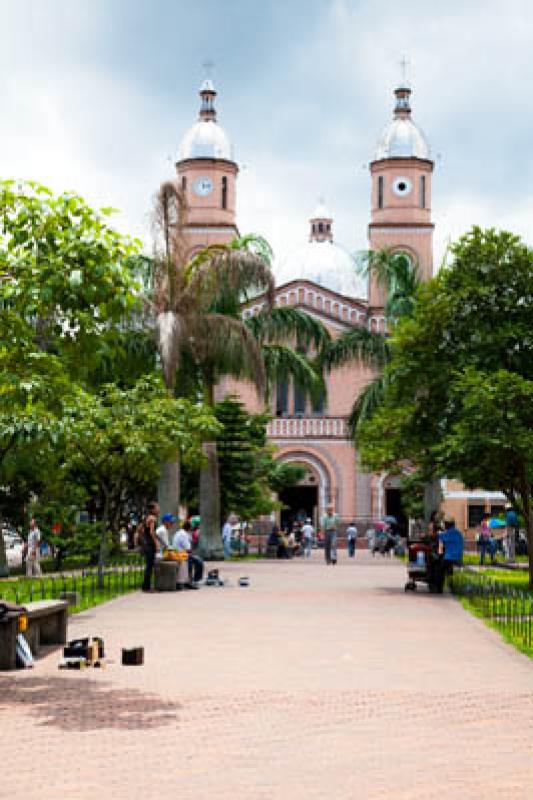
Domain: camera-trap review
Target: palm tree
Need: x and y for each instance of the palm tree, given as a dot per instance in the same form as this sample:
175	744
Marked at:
197	306
396	274
269	359
183	302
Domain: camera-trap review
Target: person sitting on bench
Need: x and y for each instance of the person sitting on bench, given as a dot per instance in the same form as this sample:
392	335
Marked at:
182	543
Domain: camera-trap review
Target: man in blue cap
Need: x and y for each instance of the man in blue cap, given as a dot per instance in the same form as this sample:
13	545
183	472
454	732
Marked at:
163	531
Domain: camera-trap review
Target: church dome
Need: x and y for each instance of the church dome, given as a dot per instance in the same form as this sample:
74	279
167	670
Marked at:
322	261
402	138
206	138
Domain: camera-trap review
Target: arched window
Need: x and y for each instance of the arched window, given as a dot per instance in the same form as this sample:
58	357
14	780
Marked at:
282	398
224	192
380	191
318	406
422	191
184	183
299	401
321	227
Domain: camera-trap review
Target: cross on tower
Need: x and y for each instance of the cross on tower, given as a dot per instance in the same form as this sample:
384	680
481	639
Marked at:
404	63
208	67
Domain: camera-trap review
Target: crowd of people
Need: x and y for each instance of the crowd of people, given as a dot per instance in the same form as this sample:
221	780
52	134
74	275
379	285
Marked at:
154	540
301	537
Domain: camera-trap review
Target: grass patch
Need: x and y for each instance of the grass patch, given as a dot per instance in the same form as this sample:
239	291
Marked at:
117	581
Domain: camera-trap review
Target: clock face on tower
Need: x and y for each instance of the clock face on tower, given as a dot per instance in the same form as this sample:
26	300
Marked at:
203	186
402	186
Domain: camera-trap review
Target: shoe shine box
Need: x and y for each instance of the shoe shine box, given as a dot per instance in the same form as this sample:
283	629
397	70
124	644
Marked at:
133	656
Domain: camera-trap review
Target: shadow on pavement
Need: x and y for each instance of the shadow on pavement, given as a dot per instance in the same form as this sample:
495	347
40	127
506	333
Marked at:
78	703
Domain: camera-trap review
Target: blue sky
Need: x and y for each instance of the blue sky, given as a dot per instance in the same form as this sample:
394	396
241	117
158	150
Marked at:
96	95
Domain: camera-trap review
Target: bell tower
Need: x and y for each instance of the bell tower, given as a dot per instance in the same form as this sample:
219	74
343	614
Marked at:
207	174
401	175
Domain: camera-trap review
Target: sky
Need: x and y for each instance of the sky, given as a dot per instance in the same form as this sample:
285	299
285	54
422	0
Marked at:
95	96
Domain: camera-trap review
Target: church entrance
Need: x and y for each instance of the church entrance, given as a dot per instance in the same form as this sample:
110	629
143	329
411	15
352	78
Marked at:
299	502
394	508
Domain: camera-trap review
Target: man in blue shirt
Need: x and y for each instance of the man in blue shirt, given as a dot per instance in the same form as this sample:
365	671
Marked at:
452	541
451	546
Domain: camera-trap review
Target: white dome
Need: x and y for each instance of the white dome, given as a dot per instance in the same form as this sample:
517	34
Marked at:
325	263
321	212
402	139
205	139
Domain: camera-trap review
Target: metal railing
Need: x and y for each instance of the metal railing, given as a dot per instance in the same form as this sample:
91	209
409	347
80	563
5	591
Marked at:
85	586
508	609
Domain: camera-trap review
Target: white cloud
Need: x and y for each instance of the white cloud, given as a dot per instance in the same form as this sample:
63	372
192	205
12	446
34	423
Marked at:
92	101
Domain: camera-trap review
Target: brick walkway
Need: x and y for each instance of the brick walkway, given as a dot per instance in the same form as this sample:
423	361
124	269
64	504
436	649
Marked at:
314	682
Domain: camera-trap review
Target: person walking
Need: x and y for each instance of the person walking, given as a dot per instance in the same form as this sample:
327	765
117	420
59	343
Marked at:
148	543
351	535
512	532
308	533
33	566
330	523
226	537
486	543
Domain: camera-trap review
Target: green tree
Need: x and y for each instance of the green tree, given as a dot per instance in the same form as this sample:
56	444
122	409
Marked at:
467	348
66	282
121	436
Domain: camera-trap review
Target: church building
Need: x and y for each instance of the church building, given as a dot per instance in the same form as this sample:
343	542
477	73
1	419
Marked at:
321	278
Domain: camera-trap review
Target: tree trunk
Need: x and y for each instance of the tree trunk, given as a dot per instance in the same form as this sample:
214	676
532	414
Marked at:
4	569
168	489
102	554
525	494
210	544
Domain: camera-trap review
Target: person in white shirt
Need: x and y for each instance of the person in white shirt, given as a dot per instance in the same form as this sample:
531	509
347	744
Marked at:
182	543
33	566
351	535
308	533
162	533
226	537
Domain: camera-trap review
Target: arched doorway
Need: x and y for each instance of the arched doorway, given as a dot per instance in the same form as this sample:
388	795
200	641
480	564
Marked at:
309	496
390	501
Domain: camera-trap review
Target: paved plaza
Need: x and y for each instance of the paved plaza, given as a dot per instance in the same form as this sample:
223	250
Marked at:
313	682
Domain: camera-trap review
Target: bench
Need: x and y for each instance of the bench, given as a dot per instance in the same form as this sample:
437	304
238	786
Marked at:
47	624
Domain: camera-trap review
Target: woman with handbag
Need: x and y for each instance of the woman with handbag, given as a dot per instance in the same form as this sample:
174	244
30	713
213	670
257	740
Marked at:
148	543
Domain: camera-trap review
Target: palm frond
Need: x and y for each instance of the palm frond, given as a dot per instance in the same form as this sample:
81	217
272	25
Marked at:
283	363
367	402
224	276
284	324
359	343
223	345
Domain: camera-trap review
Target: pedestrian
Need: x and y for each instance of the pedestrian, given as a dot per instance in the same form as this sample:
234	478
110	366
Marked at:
512	532
163	531
451	548
226	537
183	544
33	566
330	523
485	540
351	535
308	533
148	543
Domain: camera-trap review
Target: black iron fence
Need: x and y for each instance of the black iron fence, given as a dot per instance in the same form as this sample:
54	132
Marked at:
83	589
504	607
